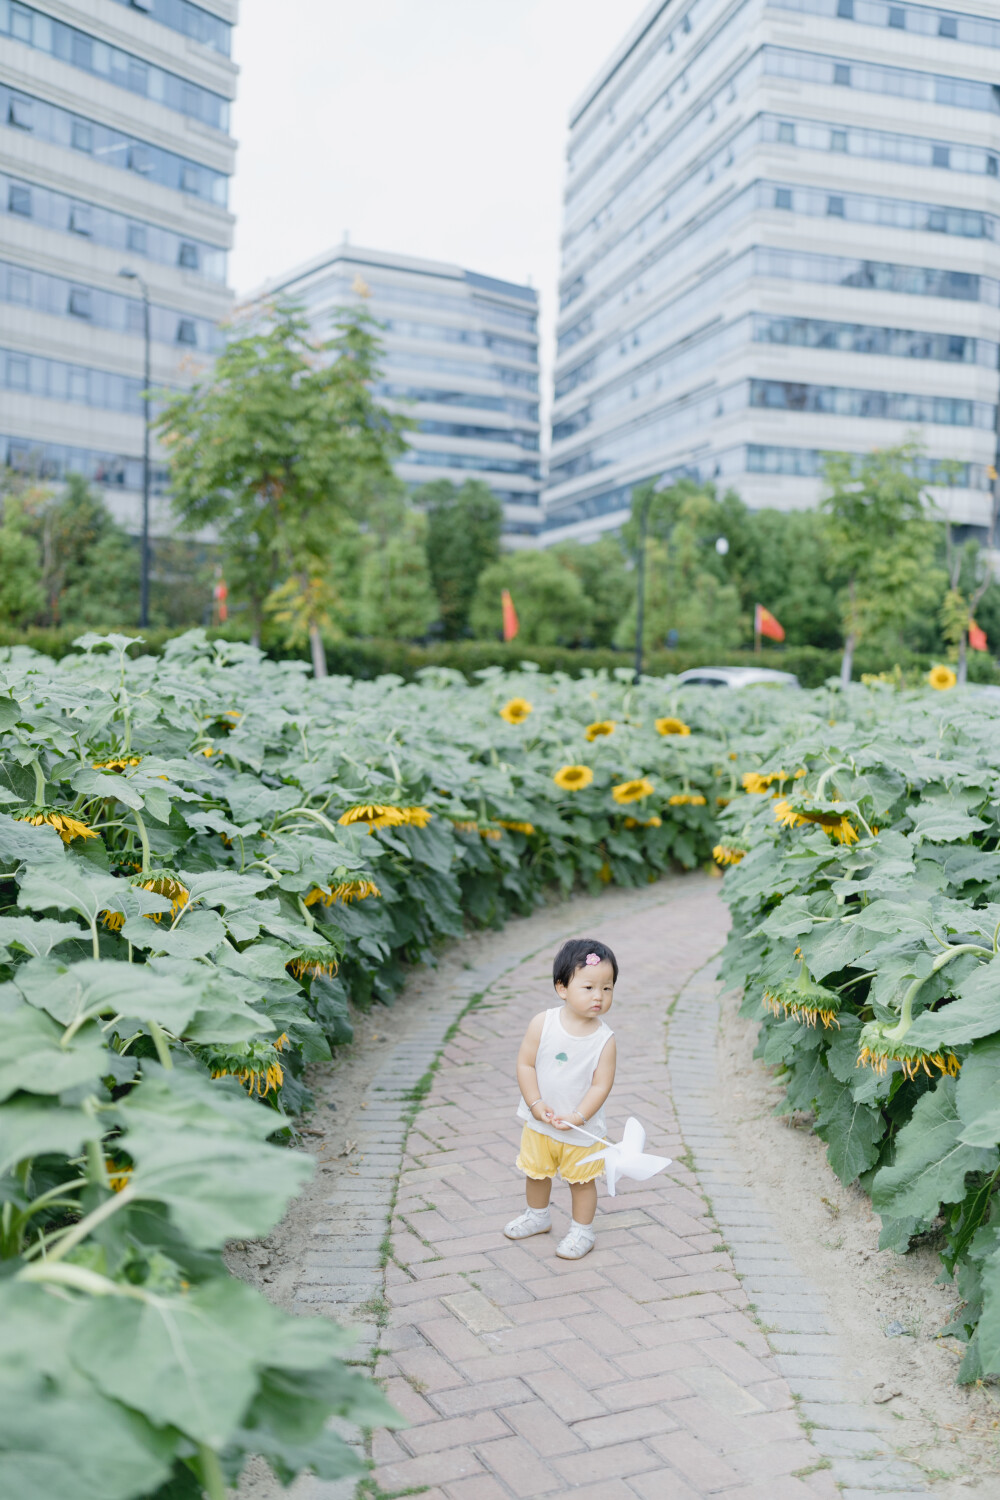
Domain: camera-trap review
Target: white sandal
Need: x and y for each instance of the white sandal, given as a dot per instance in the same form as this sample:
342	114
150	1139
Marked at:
527	1224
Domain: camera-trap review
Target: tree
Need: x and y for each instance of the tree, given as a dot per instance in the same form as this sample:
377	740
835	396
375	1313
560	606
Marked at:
90	564
549	599
607	584
279	450
396	597
878	536
688	589
21	592
464	527
783	564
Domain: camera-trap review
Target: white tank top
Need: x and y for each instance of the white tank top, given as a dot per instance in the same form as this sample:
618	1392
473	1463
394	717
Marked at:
565	1067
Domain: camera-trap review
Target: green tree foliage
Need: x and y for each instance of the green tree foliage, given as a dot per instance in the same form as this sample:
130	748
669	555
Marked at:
280	449
880	539
687	587
607	583
464	527
396	596
21	592
549	598
779	560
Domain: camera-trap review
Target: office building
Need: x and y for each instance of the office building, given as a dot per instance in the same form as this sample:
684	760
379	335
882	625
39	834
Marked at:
460	358
781	238
116	155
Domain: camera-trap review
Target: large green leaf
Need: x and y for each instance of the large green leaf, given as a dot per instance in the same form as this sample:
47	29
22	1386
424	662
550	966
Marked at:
989	1323
37	938
99	987
195	936
931	1160
34	1059
29	1129
25	841
853	1131
975	1012
77	1447
978	1094
69	886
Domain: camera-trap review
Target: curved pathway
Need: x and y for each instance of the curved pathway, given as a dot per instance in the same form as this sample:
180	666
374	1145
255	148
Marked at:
641	1371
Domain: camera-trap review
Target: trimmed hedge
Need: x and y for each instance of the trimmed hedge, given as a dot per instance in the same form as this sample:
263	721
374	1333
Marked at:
367	659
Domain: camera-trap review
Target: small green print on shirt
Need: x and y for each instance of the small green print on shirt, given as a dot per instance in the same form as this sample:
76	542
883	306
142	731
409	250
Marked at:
561	1057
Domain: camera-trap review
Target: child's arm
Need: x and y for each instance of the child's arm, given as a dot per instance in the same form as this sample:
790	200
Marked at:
600	1088
527	1078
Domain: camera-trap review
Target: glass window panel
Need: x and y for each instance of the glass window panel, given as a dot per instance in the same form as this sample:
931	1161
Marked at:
19	200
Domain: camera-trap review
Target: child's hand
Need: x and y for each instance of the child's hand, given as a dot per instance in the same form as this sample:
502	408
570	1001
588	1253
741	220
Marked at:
542	1111
561	1124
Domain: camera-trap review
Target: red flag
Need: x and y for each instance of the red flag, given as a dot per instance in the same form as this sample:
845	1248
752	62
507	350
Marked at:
764	623
977	637
220	594
510	622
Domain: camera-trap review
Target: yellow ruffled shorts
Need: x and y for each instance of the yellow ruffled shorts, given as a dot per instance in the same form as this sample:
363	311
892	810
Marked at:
541	1156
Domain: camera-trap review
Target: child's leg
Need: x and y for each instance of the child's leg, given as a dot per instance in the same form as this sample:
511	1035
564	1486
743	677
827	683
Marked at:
584	1199
538	1191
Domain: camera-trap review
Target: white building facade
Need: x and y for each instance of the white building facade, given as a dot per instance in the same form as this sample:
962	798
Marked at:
781	237
115	155
460	357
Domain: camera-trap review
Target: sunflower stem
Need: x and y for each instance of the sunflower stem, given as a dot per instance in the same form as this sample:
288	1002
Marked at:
70	1238
36	766
98	1172
211	1472
830	771
143	839
899	1031
308	917
161	1045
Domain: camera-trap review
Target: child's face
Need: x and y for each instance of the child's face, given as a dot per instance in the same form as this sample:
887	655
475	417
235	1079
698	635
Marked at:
590	992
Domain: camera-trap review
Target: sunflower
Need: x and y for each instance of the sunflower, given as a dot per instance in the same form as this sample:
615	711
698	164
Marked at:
376	815
117	764
416	817
836	824
114	921
573	778
162	883
877	1048
514	827
605	873
803	1000
516	710
314	961
259	1081
671	726
346	892
632	791
653	822
596	730
687	799
941	678
117	1176
753	781
723	801
67	828
727	854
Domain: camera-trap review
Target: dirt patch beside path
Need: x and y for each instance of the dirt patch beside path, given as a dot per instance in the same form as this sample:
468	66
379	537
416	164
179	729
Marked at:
888	1307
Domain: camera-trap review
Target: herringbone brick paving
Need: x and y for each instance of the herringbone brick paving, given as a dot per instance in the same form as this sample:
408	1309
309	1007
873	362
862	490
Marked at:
635	1372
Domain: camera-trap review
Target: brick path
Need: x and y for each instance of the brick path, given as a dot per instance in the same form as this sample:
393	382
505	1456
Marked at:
639	1371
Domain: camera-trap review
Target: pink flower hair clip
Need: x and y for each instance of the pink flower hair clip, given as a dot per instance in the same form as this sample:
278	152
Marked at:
591	959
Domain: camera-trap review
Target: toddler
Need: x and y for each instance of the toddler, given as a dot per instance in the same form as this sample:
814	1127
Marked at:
565	1069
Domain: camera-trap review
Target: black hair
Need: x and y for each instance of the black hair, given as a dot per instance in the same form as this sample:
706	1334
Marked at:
573	955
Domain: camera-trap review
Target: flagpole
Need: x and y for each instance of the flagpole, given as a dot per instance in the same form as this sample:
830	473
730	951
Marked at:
756	629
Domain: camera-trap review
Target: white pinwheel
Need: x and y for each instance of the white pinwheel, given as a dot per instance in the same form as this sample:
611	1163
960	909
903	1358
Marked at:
626	1158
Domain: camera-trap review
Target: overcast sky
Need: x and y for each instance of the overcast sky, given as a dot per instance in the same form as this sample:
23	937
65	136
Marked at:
428	127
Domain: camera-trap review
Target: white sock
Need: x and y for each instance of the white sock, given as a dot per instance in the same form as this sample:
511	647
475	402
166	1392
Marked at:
538	1213
588	1229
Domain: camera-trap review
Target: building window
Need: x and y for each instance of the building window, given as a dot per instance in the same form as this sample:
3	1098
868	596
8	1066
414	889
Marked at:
138	159
17	372
838	140
948	26
189	179
79	303
137	78
137	238
845	10
786	133
143	5
782	197
20	24
187	256
134	316
186	332
835	206
80	220
82	136
19	200
842	75
19	113
941	156
897	17
991	166
19	288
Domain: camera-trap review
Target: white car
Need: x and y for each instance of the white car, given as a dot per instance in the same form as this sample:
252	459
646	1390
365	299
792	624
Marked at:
737	677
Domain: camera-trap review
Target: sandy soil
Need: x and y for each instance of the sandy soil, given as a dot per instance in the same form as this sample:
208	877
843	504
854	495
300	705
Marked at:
888	1307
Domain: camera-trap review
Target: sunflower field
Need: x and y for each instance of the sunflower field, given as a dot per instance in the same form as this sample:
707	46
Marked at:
205	860
864	882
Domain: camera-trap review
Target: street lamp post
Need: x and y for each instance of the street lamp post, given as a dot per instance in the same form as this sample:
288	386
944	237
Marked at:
146	396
